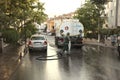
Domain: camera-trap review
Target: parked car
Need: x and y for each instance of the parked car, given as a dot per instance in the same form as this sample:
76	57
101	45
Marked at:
37	42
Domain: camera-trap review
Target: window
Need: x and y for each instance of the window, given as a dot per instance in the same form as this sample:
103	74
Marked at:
37	38
111	12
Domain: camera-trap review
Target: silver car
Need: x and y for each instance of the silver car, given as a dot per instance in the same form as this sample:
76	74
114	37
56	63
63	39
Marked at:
37	42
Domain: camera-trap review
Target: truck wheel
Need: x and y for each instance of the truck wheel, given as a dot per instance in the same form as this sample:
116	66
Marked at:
80	47
58	46
30	50
56	42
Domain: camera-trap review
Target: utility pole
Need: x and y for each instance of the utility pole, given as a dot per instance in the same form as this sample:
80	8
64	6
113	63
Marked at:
98	30
1	43
116	17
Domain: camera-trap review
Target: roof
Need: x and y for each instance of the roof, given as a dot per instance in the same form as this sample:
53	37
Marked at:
38	35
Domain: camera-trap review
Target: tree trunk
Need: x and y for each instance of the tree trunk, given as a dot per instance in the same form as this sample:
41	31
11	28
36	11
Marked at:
1	45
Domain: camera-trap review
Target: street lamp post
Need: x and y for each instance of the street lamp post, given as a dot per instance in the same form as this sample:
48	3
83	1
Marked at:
1	43
99	20
98	30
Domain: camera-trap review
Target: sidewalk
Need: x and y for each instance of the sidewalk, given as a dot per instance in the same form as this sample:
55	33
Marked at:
9	60
107	43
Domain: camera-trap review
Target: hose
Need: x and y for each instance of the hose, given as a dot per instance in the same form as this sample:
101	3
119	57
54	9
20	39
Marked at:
55	57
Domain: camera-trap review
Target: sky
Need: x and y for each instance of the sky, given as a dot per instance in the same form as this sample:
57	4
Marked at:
59	7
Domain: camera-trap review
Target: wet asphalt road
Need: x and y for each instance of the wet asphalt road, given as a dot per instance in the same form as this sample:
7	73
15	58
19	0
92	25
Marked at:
90	63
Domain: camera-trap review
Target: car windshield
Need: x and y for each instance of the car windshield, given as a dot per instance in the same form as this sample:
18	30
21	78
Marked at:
37	38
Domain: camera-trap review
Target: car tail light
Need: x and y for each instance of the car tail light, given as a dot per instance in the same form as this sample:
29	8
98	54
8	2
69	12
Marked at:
45	42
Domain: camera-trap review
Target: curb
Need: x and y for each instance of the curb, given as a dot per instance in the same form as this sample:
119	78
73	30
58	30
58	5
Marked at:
5	45
15	69
18	64
100	44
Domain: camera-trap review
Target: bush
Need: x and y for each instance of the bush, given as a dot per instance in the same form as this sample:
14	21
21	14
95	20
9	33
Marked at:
91	35
10	35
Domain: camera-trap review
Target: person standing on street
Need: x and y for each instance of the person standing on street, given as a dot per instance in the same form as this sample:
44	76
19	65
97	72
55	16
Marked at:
113	39
66	43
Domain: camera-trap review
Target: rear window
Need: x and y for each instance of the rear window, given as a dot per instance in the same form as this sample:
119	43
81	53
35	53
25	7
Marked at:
37	38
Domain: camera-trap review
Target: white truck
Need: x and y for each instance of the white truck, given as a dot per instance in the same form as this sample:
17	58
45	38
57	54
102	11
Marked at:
72	26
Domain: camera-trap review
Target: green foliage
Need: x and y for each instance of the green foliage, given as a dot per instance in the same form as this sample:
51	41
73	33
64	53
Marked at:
99	1
90	16
38	15
15	12
91	35
28	30
114	31
11	35
104	31
18	13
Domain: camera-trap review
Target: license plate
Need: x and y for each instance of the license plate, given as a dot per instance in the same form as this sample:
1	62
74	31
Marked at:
37	45
37	42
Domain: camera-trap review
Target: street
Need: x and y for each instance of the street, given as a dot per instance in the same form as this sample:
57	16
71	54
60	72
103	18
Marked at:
92	62
60	40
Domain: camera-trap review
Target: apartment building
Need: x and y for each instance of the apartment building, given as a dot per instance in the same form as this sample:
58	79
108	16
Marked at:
118	17
112	13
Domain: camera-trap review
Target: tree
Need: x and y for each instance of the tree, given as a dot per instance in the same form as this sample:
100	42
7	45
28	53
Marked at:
18	13
99	1
89	15
14	12
38	15
28	30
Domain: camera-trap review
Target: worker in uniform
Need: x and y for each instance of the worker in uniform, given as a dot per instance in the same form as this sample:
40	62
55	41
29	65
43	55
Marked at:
66	43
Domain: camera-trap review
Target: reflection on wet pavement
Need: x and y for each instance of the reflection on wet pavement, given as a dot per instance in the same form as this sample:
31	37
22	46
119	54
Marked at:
8	59
90	63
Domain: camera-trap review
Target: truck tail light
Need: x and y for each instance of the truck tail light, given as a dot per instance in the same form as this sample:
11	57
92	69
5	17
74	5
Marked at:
45	42
81	39
61	39
30	43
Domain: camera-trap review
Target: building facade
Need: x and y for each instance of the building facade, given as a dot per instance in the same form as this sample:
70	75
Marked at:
112	13
118	13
